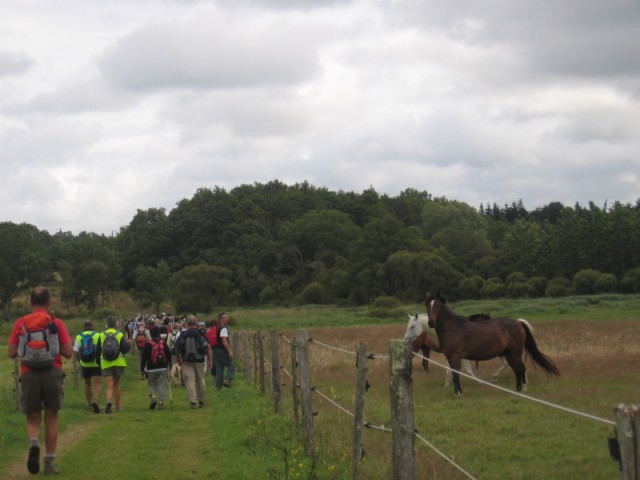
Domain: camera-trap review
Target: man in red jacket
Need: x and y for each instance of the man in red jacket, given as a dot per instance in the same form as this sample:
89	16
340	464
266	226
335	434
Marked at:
41	383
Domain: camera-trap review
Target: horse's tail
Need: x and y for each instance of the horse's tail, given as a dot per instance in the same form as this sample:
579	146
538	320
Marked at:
534	352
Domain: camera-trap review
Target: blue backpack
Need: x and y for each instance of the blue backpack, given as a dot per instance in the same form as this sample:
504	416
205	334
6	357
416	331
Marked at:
87	347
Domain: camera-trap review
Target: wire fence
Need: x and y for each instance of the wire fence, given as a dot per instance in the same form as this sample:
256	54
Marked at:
378	426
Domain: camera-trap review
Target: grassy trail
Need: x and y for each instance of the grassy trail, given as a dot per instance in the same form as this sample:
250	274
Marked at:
177	442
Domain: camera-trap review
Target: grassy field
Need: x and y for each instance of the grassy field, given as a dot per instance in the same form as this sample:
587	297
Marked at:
594	340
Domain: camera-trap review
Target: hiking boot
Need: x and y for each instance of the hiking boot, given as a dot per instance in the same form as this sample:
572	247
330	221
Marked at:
96	408
152	405
49	467
227	383
33	463
194	405
201	403
160	406
108	408
118	408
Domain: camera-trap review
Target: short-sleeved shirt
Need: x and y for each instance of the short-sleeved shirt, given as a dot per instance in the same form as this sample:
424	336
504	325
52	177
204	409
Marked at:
63	338
78	343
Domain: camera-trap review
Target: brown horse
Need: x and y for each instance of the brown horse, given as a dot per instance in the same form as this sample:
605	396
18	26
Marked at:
425	344
459	338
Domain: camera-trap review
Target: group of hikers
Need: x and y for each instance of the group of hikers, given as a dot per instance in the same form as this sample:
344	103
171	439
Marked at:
164	347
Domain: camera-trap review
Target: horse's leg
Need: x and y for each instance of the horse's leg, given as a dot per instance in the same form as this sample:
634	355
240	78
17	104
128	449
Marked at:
466	365
454	363
496	374
519	370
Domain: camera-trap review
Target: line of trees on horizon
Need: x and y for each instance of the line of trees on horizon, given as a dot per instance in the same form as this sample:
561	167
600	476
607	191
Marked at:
281	244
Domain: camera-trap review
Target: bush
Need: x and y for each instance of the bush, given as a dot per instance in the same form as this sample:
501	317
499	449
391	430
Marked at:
313	294
584	281
470	287
538	286
493	288
606	283
519	290
386	302
631	281
103	313
559	287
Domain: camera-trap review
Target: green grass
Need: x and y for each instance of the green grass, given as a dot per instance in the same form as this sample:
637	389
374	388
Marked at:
492	435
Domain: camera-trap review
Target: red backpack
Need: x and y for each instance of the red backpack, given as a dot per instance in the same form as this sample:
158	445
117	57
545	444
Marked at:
158	355
212	336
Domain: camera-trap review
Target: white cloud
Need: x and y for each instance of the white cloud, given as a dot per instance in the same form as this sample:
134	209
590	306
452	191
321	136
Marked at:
110	107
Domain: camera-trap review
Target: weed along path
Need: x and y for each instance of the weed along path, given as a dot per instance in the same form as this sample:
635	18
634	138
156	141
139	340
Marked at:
215	441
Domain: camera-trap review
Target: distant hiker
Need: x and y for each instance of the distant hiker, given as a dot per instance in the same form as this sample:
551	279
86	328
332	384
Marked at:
140	338
85	347
110	354
192	350
40	340
222	353
156	358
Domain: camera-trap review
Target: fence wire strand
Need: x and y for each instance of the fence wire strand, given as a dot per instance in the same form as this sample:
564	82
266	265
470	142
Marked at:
519	394
443	455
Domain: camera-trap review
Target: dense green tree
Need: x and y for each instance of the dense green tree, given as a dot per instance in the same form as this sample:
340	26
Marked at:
198	288
145	241
24	261
151	285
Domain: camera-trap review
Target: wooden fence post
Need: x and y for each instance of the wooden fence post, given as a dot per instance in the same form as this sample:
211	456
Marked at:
276	382
403	429
305	391
294	385
255	359
627	435
246	356
260	361
236	348
358	420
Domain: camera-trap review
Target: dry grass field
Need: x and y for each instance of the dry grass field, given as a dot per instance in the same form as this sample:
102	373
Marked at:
488	432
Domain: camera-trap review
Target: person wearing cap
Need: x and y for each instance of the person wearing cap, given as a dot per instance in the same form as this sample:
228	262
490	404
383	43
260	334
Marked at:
91	371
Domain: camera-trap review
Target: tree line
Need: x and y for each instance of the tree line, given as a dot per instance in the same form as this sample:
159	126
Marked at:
274	243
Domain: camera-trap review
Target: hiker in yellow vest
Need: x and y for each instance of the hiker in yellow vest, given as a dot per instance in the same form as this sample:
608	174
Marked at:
84	349
112	362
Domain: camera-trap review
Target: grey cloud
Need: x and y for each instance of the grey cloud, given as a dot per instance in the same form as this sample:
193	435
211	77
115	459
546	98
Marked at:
252	113
13	62
284	4
211	54
574	37
90	96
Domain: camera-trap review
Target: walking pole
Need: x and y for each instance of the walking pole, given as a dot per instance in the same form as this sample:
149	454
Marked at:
169	383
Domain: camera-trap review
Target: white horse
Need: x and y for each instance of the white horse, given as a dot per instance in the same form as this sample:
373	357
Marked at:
418	324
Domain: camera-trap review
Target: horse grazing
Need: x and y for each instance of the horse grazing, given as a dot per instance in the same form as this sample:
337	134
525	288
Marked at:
425	343
460	338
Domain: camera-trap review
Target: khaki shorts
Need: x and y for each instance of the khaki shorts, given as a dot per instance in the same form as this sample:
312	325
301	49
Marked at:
113	372
42	389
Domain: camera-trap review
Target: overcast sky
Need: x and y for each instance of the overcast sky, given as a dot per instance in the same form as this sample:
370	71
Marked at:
107	107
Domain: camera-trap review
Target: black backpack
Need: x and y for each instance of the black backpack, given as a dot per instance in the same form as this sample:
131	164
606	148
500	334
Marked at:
110	347
192	346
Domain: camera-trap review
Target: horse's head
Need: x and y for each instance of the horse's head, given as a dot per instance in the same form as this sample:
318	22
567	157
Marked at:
414	328
433	303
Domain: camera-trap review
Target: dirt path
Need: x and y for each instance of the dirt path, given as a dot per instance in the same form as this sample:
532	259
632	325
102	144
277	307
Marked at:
67	440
